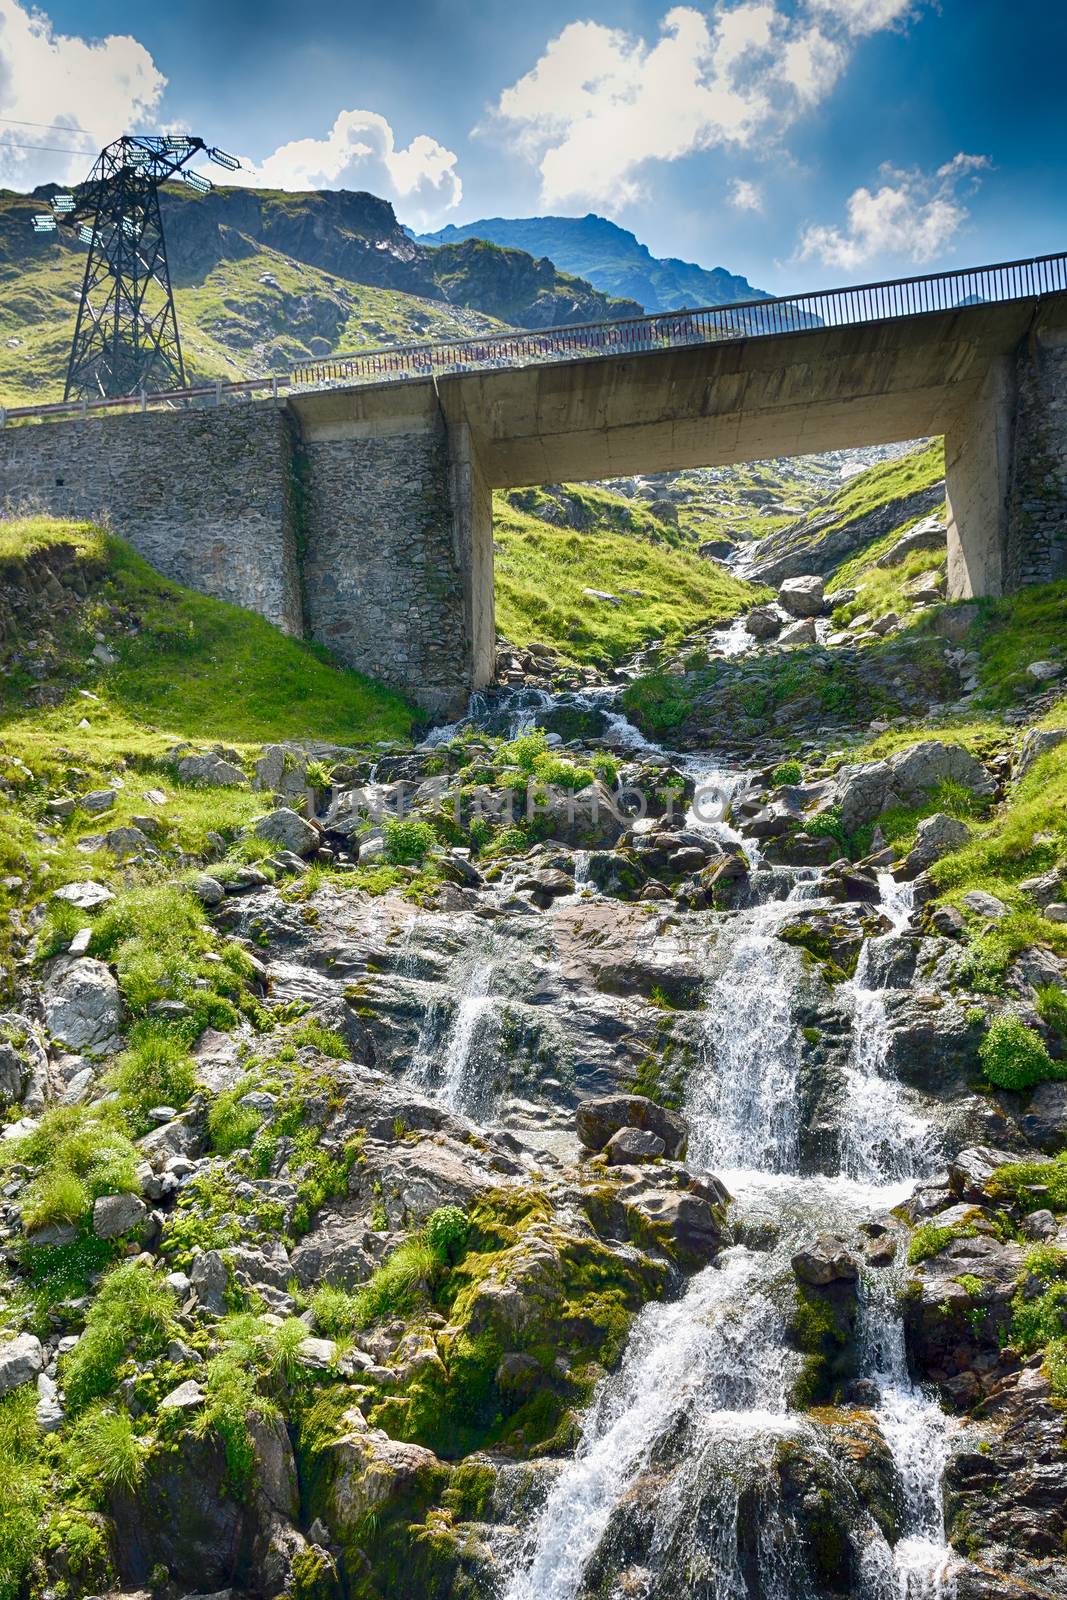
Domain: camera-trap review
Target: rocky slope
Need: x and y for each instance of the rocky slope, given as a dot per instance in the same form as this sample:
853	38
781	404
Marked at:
532	1162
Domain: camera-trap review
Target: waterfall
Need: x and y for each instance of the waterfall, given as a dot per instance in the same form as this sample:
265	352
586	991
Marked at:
710	1360
916	1431
458	1070
469	1053
742	1107
673	1488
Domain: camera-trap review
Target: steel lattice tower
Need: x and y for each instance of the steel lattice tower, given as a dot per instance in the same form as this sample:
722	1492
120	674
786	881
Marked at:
126	336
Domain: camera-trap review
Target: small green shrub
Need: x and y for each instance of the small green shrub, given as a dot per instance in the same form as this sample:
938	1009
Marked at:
1013	1057
231	1125
1052	1008
156	1070
132	1317
788	772
447	1229
335	1311
327	1041
403	1278
80	1155
408	841
103	1451
929	1240
23	1490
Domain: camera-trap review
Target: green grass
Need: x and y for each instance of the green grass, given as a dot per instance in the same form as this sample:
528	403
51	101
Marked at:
541	571
131	1318
885	482
79	1155
197	667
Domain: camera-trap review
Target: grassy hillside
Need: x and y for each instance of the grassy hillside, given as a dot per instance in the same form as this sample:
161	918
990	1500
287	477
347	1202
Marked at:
245	315
263	280
611	545
185	666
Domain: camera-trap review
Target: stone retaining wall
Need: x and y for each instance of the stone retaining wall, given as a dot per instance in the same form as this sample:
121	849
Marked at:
1036	546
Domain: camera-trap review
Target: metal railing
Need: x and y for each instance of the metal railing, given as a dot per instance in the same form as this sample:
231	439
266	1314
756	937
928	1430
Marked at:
750	319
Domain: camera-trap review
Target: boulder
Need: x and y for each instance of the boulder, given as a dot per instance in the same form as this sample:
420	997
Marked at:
1037	743
84	896
21	1359
802	597
83	1008
633	1145
763	623
286	830
116	1214
1044	1121
1044	671
208	890
97	801
984	905
130	841
588	819
23	1064
865	790
935	837
597	1120
188	1396
927	534
802	632
210	1280
212	771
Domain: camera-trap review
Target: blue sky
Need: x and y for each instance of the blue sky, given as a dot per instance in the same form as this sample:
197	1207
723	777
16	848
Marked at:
801	142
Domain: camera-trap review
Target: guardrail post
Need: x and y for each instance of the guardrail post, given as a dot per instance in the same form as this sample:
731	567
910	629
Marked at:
85	406
274	387
144	402
3	416
218	391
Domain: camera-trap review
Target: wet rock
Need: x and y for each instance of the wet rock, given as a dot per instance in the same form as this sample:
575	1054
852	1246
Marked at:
827	1260
763	623
83	1008
1044	1122
969	1173
287	831
545	886
21	1359
633	1145
210	1280
799	633
597	1120
958	1313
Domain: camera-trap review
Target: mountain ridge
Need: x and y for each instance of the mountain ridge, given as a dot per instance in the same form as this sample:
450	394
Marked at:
610	257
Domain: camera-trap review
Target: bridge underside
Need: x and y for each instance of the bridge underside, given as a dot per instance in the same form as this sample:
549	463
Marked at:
363	516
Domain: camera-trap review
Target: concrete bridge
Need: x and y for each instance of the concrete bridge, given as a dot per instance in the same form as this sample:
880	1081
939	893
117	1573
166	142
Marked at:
356	508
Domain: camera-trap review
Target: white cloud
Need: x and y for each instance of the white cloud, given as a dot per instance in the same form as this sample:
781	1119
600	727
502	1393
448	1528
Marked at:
360	152
599	104
914	215
865	16
93	89
745	196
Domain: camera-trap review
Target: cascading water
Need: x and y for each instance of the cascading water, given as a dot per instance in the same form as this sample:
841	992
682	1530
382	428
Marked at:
742	1109
916	1431
459	1069
672	1489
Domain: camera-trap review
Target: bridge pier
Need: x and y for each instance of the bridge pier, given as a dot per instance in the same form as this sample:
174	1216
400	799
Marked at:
978	453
